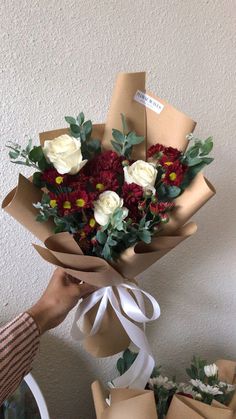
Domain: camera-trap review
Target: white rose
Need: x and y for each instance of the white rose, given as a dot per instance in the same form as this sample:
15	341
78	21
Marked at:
211	370
105	206
64	153
142	173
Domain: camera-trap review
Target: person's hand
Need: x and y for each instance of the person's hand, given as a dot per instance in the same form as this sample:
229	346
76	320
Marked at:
60	296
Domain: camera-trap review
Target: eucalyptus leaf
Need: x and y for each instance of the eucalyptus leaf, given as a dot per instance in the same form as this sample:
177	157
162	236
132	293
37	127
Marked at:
70	120
118	136
36	154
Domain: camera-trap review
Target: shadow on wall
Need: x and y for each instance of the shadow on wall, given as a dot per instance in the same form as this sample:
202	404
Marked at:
64	376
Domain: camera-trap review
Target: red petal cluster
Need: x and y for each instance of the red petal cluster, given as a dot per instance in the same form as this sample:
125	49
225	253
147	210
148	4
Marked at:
106	180
163	154
108	160
52	177
131	194
174	174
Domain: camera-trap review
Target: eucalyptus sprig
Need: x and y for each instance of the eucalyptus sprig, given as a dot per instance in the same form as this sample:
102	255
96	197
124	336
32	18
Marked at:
79	128
124	141
31	156
120	233
196	157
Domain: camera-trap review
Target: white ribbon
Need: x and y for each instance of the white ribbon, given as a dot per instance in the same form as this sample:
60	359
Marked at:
131	301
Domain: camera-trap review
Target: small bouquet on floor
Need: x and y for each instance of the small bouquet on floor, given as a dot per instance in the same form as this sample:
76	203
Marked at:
109	200
209	393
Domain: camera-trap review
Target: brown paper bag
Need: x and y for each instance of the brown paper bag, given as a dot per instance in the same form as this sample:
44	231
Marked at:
124	403
170	128
183	407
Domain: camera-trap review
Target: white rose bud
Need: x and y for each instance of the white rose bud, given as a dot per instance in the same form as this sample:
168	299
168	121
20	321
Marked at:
64	153
211	370
142	173
105	206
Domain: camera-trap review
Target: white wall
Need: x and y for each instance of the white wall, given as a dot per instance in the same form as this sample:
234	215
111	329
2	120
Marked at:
60	57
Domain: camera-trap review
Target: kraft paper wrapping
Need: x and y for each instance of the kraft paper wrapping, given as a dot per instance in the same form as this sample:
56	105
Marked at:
171	127
183	407
125	403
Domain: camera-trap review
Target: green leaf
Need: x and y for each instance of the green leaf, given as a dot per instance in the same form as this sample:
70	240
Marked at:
87	126
116	147
45	199
36	154
14	154
43	164
173	191
111	241
118	136
145	236
106	252
70	120
101	237
29	146
75	129
80	118
133	139
37	179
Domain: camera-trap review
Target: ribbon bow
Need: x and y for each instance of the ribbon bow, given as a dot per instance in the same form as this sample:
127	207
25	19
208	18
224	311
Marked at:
130	301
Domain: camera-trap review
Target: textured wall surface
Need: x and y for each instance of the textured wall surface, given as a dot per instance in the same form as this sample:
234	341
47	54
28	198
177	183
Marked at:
59	57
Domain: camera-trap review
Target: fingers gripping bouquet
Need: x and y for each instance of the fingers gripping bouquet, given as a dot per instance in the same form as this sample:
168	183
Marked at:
110	200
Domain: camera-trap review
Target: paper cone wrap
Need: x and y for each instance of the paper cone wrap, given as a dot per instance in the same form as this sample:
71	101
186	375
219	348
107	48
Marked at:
124	403
183	407
169	128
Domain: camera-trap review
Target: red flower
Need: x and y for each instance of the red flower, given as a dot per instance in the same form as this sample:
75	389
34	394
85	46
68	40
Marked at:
165	155
175	173
132	194
52	177
79	181
156	150
79	200
108	160
106	180
62	202
160	208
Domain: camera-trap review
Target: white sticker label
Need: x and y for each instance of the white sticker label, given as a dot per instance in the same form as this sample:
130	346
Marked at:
148	101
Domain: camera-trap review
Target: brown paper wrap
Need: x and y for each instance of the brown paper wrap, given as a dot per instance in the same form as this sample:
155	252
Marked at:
170	128
125	403
183	407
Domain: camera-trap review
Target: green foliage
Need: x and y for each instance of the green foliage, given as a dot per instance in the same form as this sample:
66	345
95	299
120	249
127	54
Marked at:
82	129
196	158
123	142
31	156
120	233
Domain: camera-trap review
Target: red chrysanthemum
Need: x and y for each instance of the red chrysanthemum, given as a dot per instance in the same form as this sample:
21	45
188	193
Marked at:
156	150
79	200
108	160
78	181
106	180
174	174
52	177
132	194
62	202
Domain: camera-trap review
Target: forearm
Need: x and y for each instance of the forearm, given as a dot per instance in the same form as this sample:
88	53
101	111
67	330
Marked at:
19	342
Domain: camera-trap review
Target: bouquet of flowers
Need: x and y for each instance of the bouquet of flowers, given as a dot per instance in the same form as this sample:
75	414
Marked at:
109	200
209	393
106	199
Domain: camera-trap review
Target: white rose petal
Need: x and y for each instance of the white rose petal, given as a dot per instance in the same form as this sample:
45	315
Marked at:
106	205
211	370
64	153
142	173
